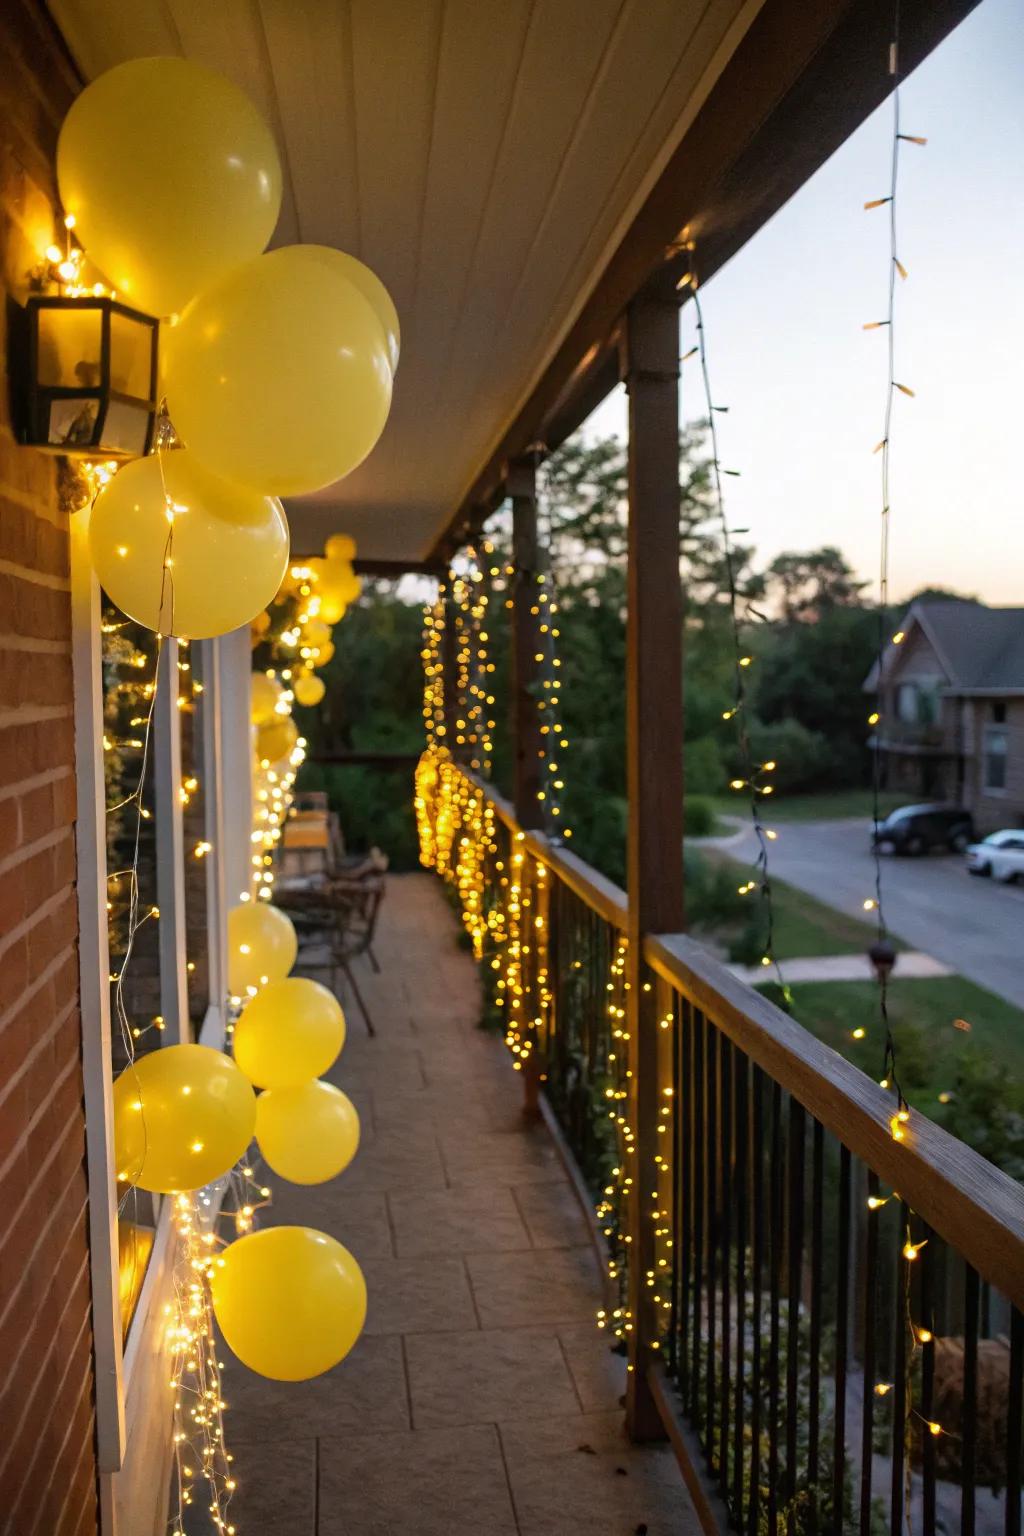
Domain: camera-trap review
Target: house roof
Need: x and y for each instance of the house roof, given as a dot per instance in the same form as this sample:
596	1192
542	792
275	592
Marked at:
981	649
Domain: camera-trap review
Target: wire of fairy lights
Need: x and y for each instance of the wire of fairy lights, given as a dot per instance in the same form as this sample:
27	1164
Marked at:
754	778
893	386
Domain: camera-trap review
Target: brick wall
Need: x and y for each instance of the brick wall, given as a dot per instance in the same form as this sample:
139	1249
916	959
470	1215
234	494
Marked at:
47	1458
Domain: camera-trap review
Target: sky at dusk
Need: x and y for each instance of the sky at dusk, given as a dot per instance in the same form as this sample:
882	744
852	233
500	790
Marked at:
805	384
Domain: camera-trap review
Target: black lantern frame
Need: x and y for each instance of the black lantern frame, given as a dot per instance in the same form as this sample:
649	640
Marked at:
78	419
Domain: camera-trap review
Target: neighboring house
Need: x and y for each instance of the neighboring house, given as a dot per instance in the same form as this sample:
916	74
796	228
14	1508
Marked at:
951	701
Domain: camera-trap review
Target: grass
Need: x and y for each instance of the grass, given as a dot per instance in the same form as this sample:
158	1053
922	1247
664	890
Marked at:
922	1013
819	807
806	927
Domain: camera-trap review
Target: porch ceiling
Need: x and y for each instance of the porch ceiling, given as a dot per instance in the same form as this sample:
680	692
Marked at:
484	156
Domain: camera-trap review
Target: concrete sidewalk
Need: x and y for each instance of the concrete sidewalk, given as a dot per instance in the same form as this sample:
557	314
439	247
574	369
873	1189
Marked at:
909	966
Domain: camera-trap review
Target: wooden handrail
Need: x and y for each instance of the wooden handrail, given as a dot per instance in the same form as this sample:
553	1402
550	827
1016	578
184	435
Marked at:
974	1206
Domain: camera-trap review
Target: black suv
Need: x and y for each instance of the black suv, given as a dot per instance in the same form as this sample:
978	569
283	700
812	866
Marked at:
920	828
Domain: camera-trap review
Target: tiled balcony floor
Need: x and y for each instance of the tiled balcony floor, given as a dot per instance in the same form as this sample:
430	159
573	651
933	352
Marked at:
481	1398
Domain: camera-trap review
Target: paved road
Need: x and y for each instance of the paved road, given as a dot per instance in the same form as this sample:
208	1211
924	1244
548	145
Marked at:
976	926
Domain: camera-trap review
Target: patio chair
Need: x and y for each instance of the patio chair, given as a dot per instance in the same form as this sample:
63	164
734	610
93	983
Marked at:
339	913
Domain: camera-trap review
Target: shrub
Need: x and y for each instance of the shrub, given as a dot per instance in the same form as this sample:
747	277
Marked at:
699	816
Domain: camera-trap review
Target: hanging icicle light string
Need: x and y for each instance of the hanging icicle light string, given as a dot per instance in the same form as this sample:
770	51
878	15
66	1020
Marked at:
754	778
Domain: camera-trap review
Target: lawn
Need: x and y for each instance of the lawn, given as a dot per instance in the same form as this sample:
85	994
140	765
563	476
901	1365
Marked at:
806	927
820	807
922	1013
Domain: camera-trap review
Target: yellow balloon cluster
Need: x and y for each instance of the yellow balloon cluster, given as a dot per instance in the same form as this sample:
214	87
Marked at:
290	1301
277	369
264	698
183	1115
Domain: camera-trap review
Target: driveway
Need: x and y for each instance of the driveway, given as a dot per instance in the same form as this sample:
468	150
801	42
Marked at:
974	925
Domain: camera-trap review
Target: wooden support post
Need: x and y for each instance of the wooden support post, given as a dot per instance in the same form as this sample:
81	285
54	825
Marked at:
527	749
211	705
654	770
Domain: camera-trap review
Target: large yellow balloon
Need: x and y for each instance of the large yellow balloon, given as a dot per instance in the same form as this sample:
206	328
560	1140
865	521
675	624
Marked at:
307	1134
183	1115
172	177
340	546
289	1033
228	546
276	740
266	692
369	285
290	1301
262	946
278	376
308	689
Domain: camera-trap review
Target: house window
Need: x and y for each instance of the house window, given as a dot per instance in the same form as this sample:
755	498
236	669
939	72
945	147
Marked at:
907	703
996	748
999	713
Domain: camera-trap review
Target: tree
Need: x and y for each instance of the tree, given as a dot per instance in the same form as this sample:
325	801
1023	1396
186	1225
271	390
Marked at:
806	586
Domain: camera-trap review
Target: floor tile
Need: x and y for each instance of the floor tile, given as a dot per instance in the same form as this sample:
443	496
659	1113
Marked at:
598	1370
420	1295
555	1285
552	1215
470	1219
357	1219
366	1391
433	1483
499	1157
476	1378
580	1476
276	1493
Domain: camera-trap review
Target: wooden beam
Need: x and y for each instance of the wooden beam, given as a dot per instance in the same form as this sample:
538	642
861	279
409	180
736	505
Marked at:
396	569
654	769
806	74
527	746
383	760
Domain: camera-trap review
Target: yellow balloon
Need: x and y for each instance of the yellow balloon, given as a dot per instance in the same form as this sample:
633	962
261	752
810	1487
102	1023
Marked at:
172	177
340	546
289	1033
266	691
275	741
316	632
307	1134
278	376
290	1301
228	546
183	1116
323	655
369	285
308	690
262	946
337	585
261	623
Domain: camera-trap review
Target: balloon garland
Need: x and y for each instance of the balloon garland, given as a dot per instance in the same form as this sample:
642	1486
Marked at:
277	374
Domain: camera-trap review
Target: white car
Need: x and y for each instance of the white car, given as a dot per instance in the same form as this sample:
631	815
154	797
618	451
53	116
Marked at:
1001	855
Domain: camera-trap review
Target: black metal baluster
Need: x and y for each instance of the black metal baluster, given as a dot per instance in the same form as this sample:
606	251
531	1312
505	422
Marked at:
969	1419
698	1211
757	1262
1014	1424
711	1081
842	1341
870	1287
684	1231
928	1447
741	1112
725	1091
795	1182
899	1385
775	1281
678	1213
814	1367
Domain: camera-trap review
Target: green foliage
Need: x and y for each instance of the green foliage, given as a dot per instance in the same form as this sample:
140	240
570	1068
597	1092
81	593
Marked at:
986	1109
699	816
804	758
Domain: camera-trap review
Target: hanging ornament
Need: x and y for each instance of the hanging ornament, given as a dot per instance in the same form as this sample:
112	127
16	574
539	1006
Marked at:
290	1033
184	552
290	1301
171	176
278	375
262	946
307	1134
275	741
308	689
183	1116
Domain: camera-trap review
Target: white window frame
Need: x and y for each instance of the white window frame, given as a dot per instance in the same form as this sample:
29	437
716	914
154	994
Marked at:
133	1417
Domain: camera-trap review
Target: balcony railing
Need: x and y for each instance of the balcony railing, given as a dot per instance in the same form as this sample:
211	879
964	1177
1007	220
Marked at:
826	1309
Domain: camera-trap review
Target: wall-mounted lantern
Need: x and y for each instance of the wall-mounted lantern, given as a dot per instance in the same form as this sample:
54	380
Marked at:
86	381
